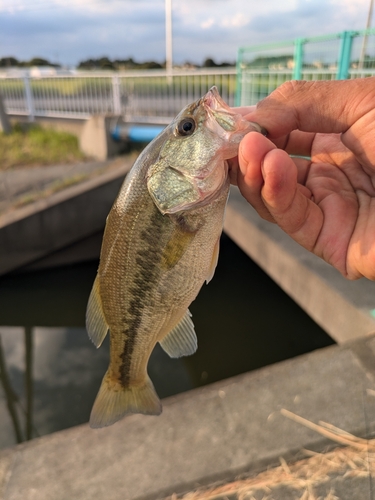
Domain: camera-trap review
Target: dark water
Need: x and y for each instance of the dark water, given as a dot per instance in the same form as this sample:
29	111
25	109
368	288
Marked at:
242	318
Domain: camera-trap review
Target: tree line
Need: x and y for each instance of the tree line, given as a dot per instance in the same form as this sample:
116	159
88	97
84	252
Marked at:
8	62
105	63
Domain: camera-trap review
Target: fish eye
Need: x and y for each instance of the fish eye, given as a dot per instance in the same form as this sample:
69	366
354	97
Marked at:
186	126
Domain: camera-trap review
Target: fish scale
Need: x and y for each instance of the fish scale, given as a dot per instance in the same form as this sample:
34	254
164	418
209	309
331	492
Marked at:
160	244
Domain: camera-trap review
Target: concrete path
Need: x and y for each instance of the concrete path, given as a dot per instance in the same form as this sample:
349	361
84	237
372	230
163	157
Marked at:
209	434
19	186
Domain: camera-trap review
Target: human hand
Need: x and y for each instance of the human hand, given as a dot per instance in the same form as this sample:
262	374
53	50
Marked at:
326	204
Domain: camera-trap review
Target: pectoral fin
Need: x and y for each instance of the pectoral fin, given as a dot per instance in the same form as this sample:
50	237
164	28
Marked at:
214	261
182	340
176	247
96	324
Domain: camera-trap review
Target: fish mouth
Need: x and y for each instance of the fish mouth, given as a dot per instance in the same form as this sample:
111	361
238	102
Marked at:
216	105
220	118
214	101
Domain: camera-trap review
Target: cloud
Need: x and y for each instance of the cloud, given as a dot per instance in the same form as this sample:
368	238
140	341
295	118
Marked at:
209	23
78	29
83	34
353	8
85	6
238	20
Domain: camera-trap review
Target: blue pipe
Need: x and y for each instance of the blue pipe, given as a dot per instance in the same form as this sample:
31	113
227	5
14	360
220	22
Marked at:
136	133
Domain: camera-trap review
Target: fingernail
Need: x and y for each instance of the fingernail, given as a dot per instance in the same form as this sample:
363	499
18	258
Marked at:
259	128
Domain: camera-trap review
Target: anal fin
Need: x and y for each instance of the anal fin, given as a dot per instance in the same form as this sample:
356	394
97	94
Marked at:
96	324
182	340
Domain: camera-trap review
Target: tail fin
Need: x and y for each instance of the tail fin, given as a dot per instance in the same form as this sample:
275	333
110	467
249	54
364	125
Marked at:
114	402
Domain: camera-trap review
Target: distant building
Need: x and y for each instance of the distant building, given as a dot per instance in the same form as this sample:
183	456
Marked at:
42	71
34	72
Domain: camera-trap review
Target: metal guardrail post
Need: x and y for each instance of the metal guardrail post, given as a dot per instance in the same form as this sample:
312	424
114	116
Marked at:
238	94
29	99
345	55
298	58
4	120
116	95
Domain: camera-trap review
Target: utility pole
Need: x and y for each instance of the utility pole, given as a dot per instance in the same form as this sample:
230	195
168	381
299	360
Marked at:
168	37
364	44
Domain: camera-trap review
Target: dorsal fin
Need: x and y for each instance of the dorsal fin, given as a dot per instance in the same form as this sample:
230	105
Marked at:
182	340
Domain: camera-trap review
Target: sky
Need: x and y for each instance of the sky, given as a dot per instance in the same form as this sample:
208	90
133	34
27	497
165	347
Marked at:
69	31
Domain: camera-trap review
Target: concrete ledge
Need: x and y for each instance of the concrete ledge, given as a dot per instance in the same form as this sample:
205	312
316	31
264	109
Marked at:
49	224
345	309
212	433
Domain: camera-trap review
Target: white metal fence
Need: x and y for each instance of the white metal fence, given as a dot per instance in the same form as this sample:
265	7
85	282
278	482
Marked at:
151	96
155	96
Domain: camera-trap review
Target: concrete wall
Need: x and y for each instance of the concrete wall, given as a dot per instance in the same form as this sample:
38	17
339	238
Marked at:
95	139
344	309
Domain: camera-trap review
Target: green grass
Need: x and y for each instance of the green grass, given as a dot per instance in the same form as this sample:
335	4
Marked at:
57	87
37	146
99	87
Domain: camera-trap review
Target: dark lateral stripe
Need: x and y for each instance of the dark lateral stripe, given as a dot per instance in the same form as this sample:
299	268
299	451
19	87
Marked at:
148	265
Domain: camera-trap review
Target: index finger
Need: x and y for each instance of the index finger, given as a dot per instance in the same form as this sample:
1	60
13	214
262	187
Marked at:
296	143
318	106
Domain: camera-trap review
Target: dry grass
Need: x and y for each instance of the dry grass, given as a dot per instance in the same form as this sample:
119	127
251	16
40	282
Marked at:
301	479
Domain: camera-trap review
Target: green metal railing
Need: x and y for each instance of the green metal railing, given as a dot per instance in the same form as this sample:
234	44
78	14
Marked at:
262	68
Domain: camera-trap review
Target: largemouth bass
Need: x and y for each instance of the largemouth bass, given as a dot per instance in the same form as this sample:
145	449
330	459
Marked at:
161	242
